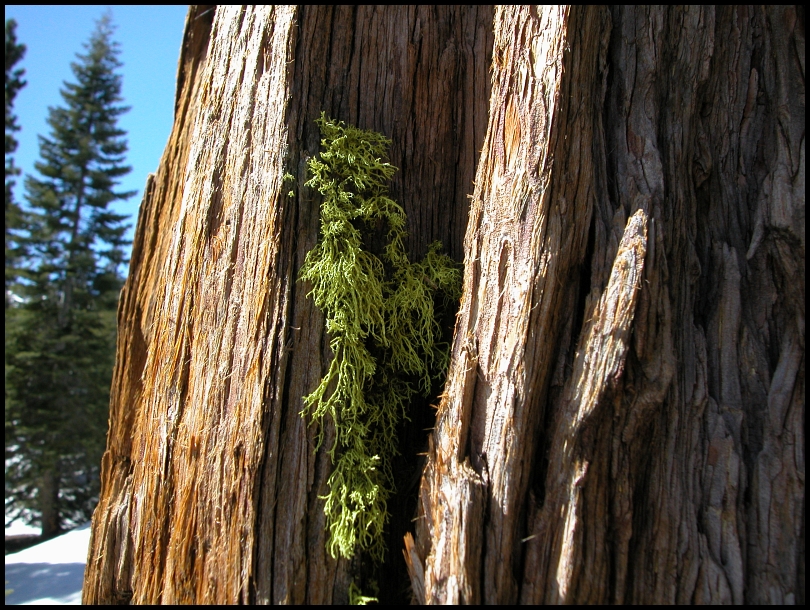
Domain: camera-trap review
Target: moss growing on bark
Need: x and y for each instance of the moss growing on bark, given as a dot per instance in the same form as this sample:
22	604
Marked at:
382	321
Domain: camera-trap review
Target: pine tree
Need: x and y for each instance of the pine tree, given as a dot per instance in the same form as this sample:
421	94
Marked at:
14	82
61	343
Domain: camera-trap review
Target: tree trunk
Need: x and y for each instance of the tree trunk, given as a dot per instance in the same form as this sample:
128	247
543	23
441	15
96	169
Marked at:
49	503
623	419
210	481
624	414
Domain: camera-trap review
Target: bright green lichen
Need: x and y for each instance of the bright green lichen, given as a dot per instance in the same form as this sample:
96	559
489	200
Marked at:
288	177
382	322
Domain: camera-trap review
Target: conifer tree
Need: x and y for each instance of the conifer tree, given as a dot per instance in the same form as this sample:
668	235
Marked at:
14	82
61	344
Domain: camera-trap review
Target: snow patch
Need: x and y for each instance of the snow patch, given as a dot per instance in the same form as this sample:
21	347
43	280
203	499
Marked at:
51	572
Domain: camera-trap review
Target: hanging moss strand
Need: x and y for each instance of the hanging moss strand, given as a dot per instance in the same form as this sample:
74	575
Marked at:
383	327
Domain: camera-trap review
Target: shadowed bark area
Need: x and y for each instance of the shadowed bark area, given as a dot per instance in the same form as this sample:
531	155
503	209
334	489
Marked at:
210	483
415	74
623	419
624	414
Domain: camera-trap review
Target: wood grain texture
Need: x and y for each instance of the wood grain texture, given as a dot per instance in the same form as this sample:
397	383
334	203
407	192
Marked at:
626	395
527	234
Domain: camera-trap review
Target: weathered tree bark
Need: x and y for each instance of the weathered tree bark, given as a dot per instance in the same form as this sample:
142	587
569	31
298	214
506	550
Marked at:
210	483
623	419
624	414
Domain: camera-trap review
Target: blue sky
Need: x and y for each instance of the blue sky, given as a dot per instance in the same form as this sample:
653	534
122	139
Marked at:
150	38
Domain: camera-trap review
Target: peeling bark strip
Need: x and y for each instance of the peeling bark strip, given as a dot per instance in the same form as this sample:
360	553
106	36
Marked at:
588	398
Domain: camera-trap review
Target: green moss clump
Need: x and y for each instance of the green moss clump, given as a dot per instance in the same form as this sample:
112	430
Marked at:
383	325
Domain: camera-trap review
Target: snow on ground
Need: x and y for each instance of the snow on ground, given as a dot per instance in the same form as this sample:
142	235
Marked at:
18	528
49	573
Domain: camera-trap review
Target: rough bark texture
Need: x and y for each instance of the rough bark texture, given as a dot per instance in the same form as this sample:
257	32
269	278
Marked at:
623	419
210	483
624	414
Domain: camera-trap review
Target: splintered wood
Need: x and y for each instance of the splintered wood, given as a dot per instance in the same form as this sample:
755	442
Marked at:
202	303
